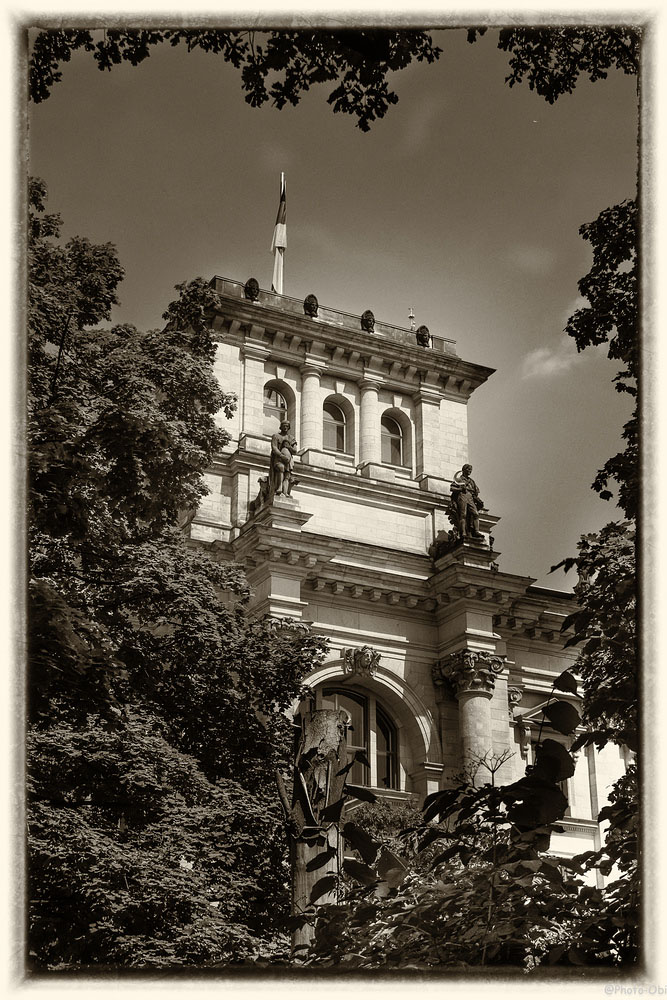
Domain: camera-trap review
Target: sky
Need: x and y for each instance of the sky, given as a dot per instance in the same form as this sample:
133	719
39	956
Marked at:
464	202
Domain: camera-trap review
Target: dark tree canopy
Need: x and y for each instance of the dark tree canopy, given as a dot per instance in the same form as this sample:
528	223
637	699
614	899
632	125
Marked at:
552	59
281	66
277	65
156	705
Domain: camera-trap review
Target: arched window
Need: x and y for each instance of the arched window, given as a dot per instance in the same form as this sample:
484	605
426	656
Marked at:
275	409
334	436
391	437
387	751
369	727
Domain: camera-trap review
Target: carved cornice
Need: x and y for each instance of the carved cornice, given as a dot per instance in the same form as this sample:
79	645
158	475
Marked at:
364	661
468	671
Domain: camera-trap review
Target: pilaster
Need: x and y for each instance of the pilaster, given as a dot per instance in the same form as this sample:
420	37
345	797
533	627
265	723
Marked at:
271	533
428	437
254	356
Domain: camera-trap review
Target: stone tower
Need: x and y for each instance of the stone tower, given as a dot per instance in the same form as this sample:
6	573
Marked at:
436	655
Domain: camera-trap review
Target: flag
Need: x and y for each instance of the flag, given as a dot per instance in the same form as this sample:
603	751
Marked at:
279	241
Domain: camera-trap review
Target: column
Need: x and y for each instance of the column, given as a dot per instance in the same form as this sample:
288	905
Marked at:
472	676
311	418
311	408
370	448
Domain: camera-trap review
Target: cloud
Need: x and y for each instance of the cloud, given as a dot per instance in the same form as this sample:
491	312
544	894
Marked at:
577	303
544	362
421	126
535	260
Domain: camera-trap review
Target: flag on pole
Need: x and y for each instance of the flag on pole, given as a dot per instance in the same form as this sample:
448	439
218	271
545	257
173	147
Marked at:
279	241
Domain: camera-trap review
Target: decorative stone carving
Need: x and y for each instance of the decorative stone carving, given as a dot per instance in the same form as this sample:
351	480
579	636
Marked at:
468	671
310	305
423	336
262	497
276	624
368	321
514	696
251	289
283	450
467	502
524	732
443	543
364	661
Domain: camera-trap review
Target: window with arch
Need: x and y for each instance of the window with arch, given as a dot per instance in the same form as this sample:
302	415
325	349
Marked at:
334	428
275	409
392	444
370	730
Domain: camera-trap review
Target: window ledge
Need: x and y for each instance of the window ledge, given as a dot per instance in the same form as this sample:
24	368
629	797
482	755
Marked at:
340	456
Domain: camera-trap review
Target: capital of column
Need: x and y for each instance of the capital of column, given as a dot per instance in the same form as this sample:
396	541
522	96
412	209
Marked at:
468	671
254	352
311	368
425	395
370	383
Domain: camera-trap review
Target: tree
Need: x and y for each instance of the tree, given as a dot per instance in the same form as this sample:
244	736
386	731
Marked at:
551	60
294	61
605	626
491	897
156	705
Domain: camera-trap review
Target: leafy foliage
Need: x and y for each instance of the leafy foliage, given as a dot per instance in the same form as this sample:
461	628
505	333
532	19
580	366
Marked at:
469	885
278	65
611	287
156	705
552	59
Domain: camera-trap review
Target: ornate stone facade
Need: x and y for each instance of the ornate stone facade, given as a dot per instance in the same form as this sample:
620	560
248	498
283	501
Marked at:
514	696
363	661
468	670
363	554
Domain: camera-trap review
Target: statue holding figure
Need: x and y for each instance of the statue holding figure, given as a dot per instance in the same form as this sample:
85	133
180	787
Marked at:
283	450
467	503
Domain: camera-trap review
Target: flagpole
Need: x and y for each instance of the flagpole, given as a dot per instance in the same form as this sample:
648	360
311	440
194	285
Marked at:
279	241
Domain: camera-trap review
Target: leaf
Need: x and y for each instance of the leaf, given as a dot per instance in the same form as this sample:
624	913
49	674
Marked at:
554	759
439	803
359	756
320	860
361	841
563	716
332	812
361	873
434	833
322	887
566	682
447	855
359	792
388	862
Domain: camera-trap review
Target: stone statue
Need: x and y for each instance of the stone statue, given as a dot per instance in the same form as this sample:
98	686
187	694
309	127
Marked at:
423	336
368	321
311	305
467	503
251	289
283	450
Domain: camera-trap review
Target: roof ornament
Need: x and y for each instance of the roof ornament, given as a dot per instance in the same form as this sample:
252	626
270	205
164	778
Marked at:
368	321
